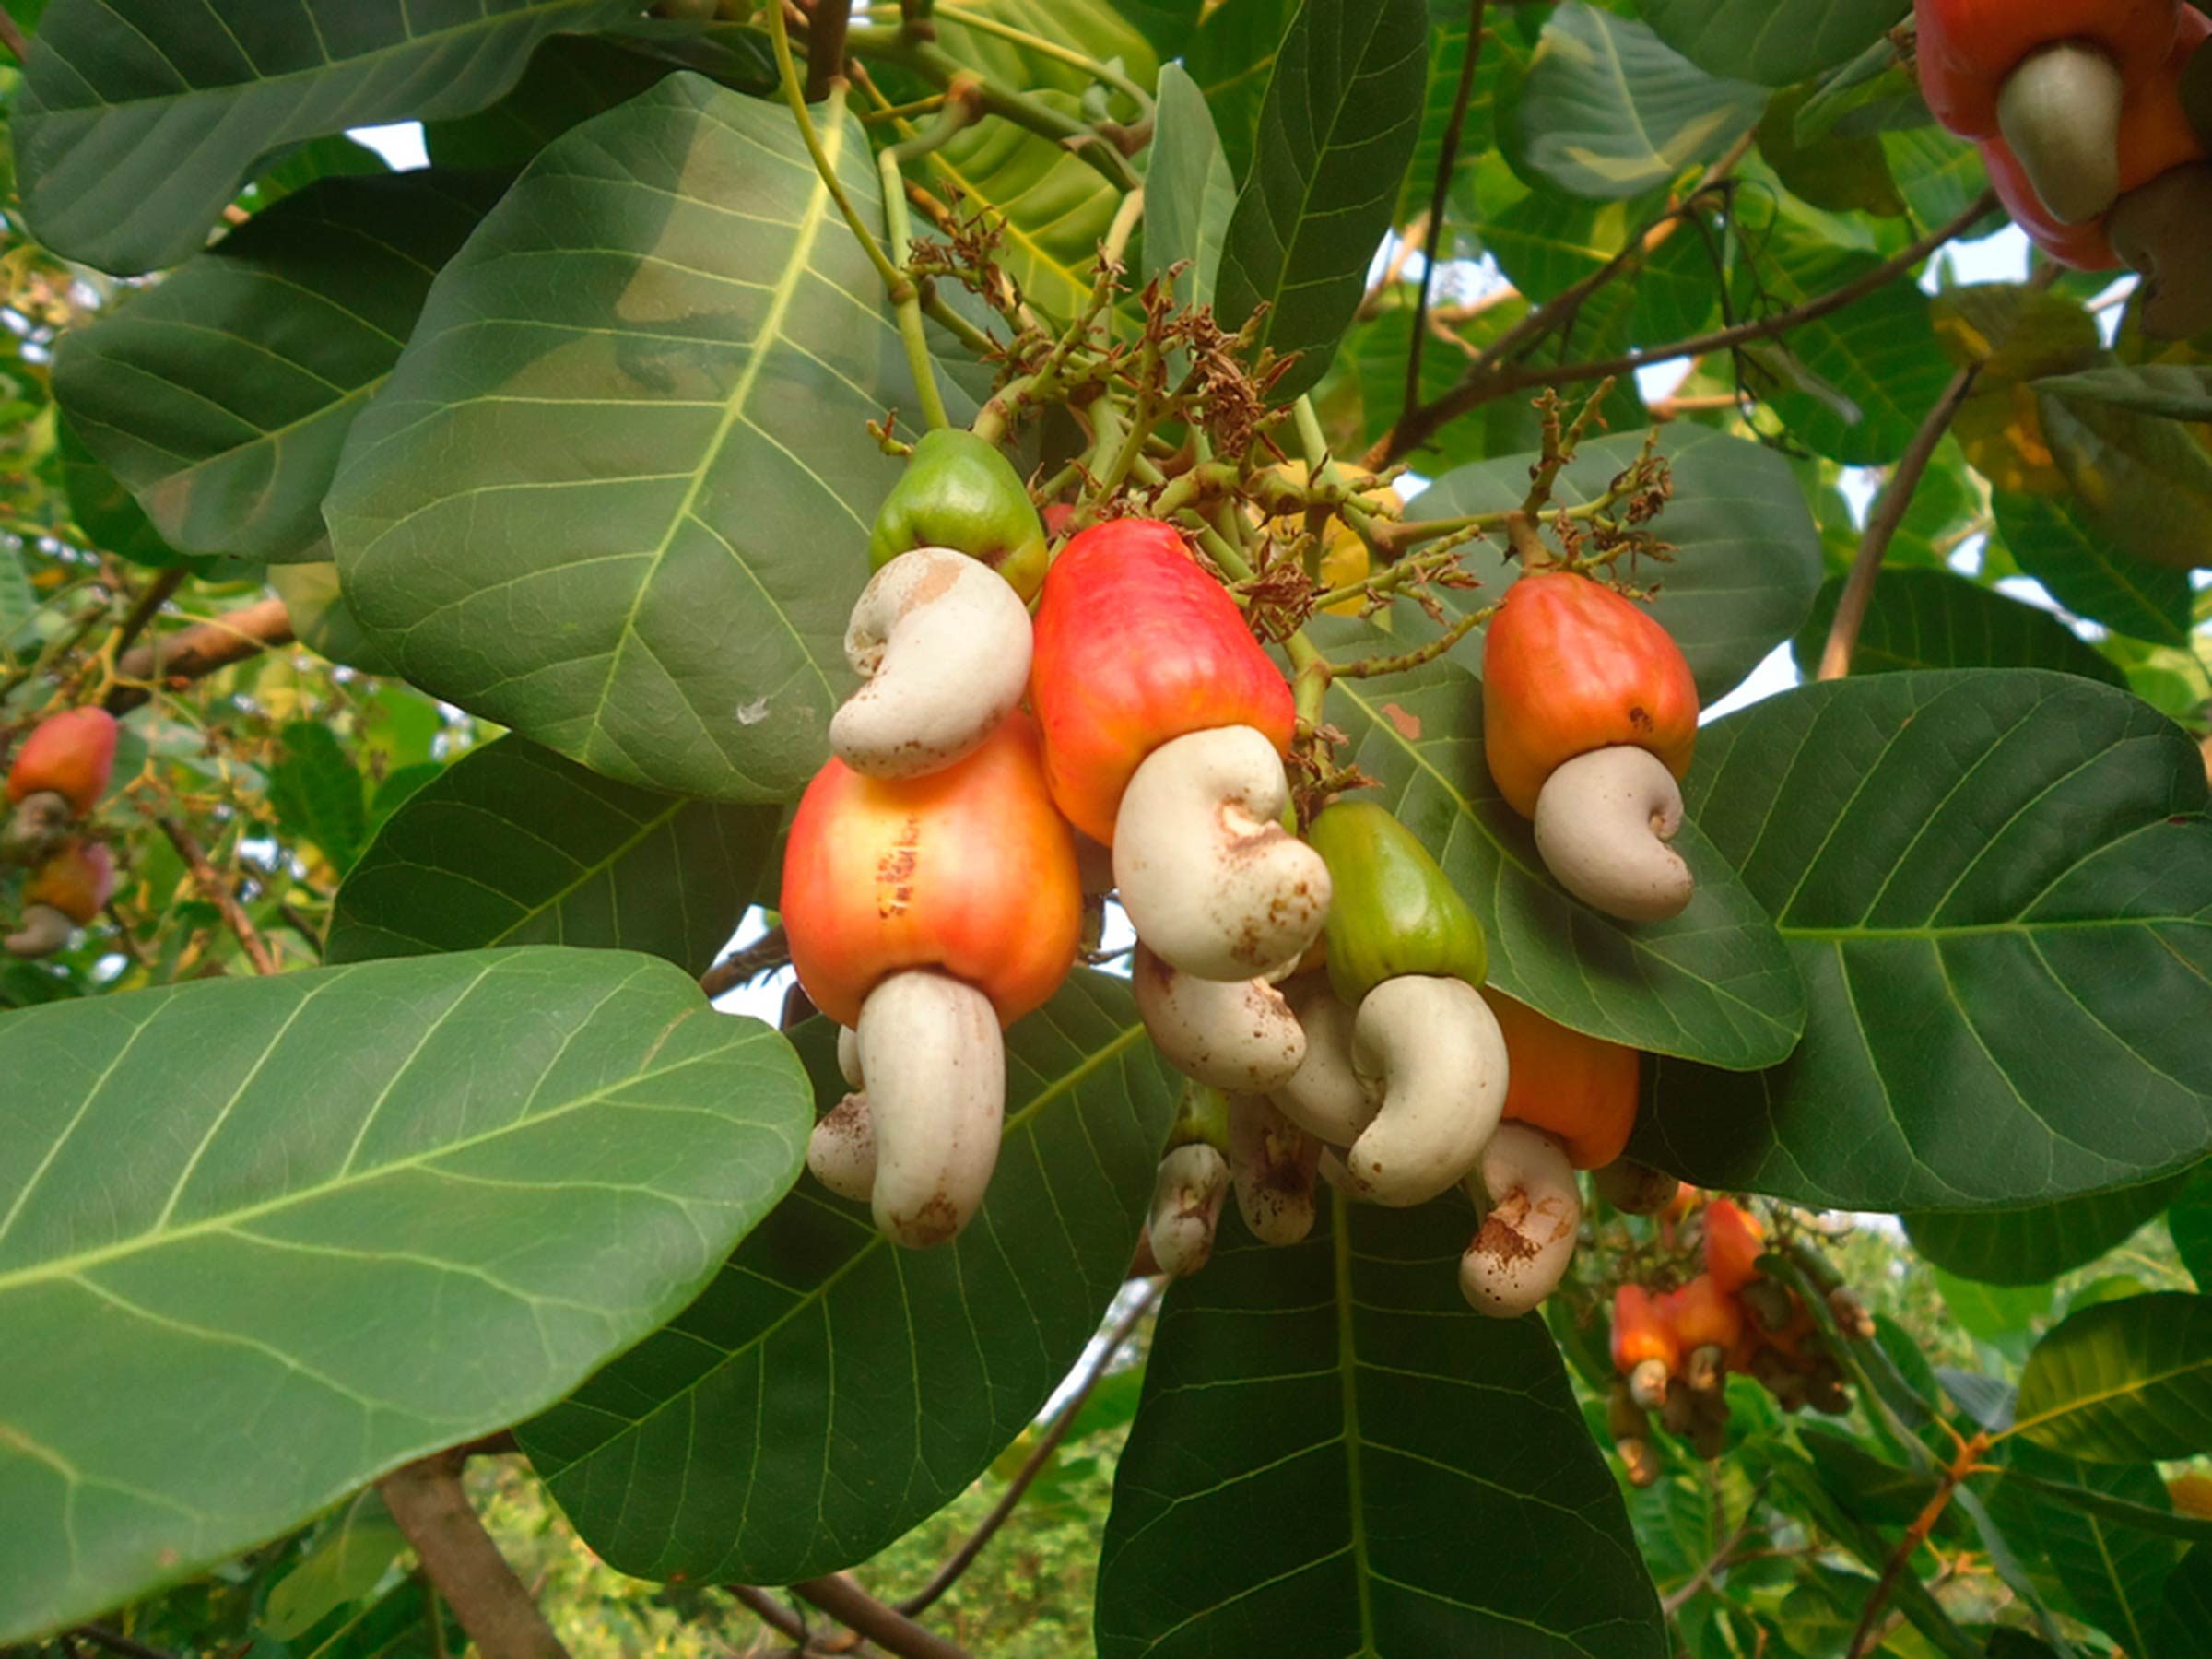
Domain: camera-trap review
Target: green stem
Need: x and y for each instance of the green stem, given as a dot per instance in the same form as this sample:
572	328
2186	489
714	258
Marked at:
907	306
983	24
894	279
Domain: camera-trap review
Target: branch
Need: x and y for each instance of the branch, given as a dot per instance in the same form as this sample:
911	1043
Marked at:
964	1557
196	652
1437	190
1489	380
887	1627
11	36
1881	528
770	1612
1965	1463
100	1636
219	894
770	951
459	1558
148	605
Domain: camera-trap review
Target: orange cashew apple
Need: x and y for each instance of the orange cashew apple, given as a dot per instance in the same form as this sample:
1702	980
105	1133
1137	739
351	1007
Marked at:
1579	1087
1645	1348
59	775
63	893
1734	1240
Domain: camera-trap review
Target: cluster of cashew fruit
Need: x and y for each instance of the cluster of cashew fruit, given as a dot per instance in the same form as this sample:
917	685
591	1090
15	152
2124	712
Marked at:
57	781
1673	1348
2080	108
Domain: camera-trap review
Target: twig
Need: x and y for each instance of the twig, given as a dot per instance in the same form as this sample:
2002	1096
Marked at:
1881	528
770	1612
827	24
148	603
11	36
1682	1595
196	652
887	1627
1490	380
1965	1463
115	1641
964	1557
764	955
459	1558
1437	192
219	892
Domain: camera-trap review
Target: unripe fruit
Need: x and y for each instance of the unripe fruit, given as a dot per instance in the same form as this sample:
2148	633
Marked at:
1569	667
1391	909
960	492
1732	1242
968	870
1137	646
72	755
1580	1089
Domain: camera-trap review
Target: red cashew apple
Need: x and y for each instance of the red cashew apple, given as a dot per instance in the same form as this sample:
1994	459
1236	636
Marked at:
1734	1240
1589	719
1709	1322
63	893
1645	1348
70	755
2051	78
926	913
1579	1087
1165	726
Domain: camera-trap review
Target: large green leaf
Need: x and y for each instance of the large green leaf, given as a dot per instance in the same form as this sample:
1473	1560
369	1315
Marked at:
2144	481
2187	1613
1996	885
139	119
1096	29
2116	1574
1189	193
570	79
514	845
2190	1221
262	1240
1336	133
2177	390
1232	57
2034	1246
1746	552
1048	207
1774	43
2124	1381
1936	620
1334	1456
1716	982
617	494
2053	541
319	795
1855	384
830	1390
16	601
1610	109
222	396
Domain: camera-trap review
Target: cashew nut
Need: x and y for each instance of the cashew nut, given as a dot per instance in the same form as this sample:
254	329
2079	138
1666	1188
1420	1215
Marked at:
944	644
1634	1189
1273	1162
841	1151
1211	881
1237	1035
2060	113
1432	1051
1520	1252
1186	1207
2164	230
930	1050
42	931
1324	1095
36	827
1602	822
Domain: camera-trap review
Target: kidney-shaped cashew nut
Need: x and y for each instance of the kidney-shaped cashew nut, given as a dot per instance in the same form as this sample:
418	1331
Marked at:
1324	1095
840	1153
1634	1188
944	643
1432	1051
1602	822
2164	230
1272	1161
2060	113
1186	1207
42	931
1238	1035
930	1050
1520	1253
1211	881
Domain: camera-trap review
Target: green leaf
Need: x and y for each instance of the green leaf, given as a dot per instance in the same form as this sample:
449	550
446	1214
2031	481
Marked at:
2034	1246
1190	192
318	795
1936	620
344	1566
2144	482
109	518
1327	1440
1610	109
1773	42
18	603
367	1211
570	79
2115	1574
2189	1220
1748	554
2053	541
2125	1381
1048	208
1337	134
1996	1314
514	845
1875	359
1096	29
1447	56
2187	1612
1232	58
140	119
830	1390
2177	390
2160	1518
1716	982
322	620
1938	175
1996	887
1840	174
629	432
